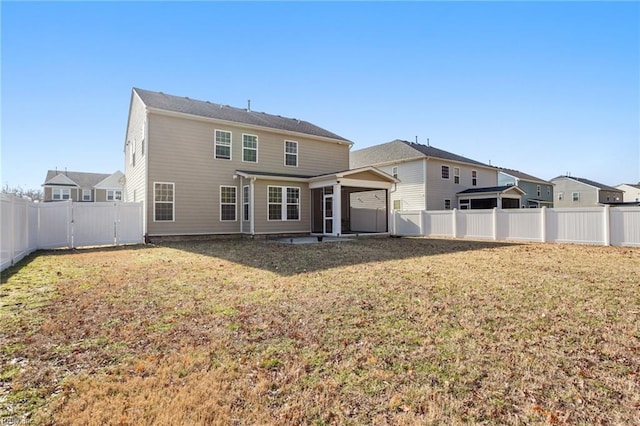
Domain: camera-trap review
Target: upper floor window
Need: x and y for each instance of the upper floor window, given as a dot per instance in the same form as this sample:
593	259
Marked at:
291	153
445	172
575	196
456	175
114	195
227	203
132	153
250	148
538	190
474	178
86	195
560	196
163	202
61	194
223	145
548	190
394	172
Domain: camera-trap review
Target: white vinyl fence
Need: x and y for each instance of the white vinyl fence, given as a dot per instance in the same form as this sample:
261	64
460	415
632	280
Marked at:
618	226
28	226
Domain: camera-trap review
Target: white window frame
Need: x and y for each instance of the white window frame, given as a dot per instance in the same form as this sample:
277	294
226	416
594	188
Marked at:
444	167
539	190
575	197
397	206
246	149
447	203
474	178
465	204
60	192
394	171
217	142
246	200
234	204
172	202
456	175
287	153
560	196
112	195
86	195
284	203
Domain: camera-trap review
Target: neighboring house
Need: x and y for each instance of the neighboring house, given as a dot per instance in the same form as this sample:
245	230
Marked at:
630	192
434	179
83	187
537	192
571	191
202	168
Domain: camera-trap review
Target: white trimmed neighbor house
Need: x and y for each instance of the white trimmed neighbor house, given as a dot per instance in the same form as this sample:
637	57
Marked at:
83	186
435	179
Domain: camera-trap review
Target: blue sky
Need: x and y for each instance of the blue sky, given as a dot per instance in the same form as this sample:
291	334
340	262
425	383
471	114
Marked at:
545	87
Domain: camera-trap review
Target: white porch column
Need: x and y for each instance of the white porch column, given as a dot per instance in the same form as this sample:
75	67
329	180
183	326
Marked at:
337	209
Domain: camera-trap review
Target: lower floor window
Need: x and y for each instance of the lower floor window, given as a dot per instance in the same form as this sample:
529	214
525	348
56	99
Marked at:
114	195
465	204
61	194
227	203
245	202
447	204
283	203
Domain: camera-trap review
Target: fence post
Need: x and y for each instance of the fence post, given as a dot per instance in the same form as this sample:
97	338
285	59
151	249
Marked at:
606	225
494	214
12	221
543	224
454	221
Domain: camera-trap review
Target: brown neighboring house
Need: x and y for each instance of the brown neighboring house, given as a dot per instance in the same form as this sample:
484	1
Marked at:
82	186
203	168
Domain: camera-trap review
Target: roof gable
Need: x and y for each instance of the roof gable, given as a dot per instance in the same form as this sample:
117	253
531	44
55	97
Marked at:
588	182
162	101
400	150
504	189
114	181
522	176
79	179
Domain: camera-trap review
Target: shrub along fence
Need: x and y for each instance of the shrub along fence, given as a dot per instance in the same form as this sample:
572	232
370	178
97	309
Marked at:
618	226
29	226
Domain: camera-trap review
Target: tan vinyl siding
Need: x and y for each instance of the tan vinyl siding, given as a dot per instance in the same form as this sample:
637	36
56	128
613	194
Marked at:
439	189
588	194
264	226
368	175
101	195
181	151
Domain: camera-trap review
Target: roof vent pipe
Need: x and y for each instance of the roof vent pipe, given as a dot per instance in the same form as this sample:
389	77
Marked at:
249	105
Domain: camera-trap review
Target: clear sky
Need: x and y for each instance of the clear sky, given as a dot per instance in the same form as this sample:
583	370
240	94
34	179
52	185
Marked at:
545	88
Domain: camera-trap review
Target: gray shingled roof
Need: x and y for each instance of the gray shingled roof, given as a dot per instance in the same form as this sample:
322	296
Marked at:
82	179
589	182
520	175
489	189
172	103
399	150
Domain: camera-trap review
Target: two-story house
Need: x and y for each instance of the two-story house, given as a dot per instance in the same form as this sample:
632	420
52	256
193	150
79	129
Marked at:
537	192
630	192
571	191
82	186
435	179
204	168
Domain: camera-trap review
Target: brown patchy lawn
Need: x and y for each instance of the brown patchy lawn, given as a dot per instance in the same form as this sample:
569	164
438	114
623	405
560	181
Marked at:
374	331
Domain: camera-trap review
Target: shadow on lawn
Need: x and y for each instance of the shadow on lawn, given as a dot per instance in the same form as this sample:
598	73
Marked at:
292	259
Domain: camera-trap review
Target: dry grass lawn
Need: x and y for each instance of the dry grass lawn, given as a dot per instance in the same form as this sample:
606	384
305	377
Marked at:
374	331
